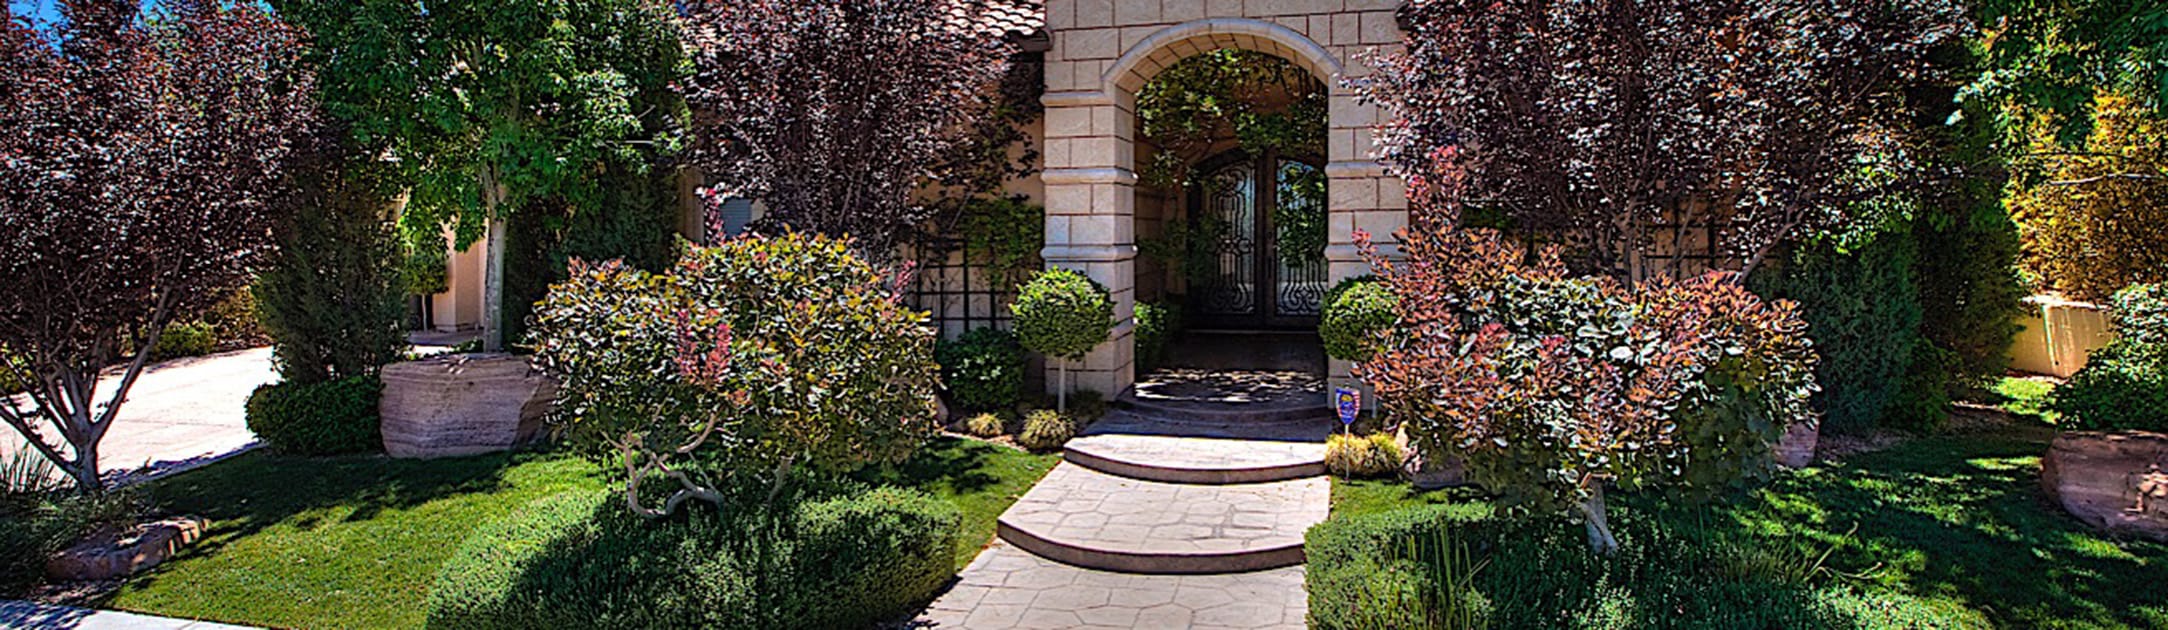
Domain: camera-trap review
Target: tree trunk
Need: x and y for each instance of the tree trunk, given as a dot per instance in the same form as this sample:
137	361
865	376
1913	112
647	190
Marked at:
493	290
1600	538
1061	387
85	468
493	272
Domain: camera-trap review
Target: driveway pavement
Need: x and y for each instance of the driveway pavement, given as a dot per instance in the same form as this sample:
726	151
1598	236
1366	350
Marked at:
179	414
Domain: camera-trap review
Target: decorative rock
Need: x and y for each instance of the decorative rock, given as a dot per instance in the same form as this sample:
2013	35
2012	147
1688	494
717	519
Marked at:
2113	481
1796	448
121	553
463	404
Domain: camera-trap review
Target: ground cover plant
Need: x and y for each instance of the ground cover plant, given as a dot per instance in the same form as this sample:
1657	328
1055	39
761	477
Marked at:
1928	533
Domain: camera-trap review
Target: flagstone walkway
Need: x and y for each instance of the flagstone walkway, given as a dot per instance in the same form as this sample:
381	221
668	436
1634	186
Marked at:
1167	514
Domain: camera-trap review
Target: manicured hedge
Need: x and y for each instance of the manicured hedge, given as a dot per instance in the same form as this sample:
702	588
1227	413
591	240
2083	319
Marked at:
318	419
1354	317
983	369
1384	571
580	560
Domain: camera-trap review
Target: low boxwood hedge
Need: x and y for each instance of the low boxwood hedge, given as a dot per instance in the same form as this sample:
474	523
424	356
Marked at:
580	560
318	418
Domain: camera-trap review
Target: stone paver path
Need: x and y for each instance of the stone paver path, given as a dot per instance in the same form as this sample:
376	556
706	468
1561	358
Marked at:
179	412
15	614
1007	587
1090	518
1188	516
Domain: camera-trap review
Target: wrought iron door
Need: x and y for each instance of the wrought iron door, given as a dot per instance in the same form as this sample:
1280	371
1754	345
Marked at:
1238	207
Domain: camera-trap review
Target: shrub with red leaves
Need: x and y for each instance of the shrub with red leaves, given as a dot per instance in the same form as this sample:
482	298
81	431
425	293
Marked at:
142	169
1553	387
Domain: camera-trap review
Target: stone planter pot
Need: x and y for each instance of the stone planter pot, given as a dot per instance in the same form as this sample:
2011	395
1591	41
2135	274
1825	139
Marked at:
1796	448
463	404
2112	481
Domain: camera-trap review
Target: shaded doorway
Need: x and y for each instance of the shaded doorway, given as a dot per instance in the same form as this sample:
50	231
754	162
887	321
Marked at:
1261	219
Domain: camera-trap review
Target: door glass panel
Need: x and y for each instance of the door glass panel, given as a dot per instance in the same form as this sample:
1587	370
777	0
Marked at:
1228	222
1300	222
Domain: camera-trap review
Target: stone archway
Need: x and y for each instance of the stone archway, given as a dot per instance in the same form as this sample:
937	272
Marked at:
1103	53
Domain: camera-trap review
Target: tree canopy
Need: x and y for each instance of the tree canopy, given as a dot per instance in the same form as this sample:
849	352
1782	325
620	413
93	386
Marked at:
1603	124
146	164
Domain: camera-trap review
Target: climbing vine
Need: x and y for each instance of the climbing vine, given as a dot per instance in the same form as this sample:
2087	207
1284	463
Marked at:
1262	103
1004	235
1258	100
1301	216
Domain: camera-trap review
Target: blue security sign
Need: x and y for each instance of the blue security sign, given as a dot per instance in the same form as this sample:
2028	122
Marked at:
1349	402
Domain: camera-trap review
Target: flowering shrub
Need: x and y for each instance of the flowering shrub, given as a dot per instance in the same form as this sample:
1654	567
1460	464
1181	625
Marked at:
1558	386
753	361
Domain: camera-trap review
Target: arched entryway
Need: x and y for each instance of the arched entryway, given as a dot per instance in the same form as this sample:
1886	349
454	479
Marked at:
1097	211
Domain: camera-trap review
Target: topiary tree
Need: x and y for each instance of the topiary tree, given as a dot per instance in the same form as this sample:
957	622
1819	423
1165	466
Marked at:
1557	387
832	113
1063	315
1356	313
146	162
752	363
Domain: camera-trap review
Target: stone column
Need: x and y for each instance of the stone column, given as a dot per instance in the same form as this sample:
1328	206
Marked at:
1361	194
1091	216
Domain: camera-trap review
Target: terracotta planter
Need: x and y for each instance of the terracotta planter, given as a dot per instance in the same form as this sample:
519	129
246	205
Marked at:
2113	481
463	404
1796	448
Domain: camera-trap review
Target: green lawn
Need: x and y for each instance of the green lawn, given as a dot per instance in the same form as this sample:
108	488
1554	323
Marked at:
355	542
981	477
1957	519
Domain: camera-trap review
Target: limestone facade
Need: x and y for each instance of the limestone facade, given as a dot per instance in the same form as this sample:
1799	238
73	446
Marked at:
1104	51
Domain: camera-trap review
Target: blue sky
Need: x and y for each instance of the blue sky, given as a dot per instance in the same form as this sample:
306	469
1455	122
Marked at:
44	11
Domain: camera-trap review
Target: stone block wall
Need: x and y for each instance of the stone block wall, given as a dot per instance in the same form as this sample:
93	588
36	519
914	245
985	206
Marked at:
1103	51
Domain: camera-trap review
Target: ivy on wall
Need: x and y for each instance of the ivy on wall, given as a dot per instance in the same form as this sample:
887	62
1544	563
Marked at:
1004	235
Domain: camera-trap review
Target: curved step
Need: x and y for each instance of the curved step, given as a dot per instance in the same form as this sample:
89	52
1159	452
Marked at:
1091	519
1279	412
1196	460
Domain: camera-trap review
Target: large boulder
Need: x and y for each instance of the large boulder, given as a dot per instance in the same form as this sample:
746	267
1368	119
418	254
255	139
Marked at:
463	404
2113	481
